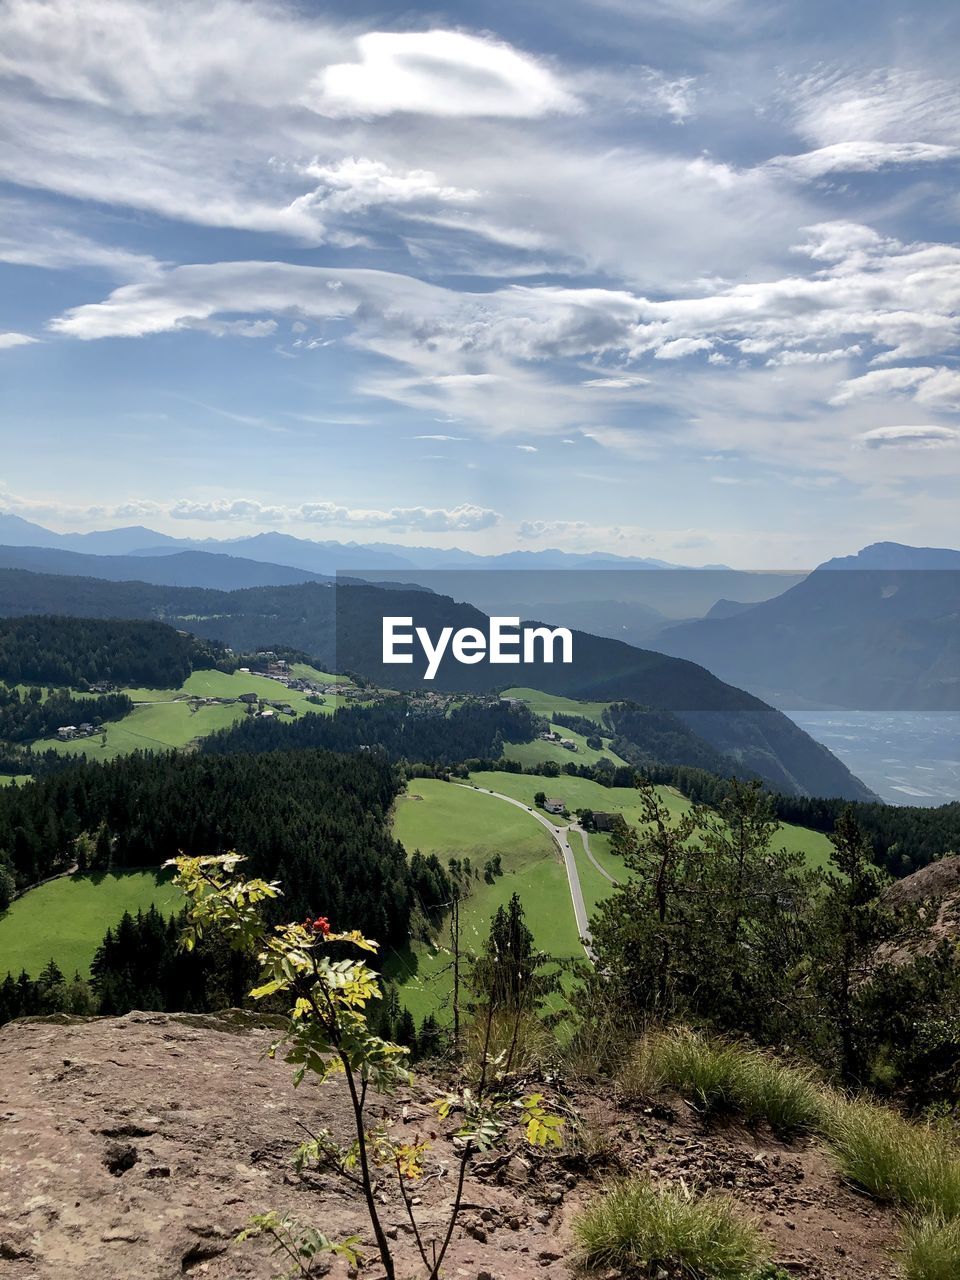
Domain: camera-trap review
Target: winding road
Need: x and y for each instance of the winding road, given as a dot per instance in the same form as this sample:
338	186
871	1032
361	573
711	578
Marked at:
561	837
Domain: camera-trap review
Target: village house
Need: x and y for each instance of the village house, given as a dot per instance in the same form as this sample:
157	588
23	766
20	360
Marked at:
554	805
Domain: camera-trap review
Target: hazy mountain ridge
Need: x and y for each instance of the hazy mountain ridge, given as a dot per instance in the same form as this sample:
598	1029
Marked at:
877	631
317	556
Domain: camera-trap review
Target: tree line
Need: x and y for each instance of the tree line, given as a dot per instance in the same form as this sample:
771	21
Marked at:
78	652
399	727
315	820
27	715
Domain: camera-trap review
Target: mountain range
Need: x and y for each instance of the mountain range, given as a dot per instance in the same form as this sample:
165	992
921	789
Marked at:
879	630
875	631
324	558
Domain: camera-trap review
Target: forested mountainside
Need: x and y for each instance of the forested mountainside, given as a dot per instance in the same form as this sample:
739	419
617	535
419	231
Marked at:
340	627
80	651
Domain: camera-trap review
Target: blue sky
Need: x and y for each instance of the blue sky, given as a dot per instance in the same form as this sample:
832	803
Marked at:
662	279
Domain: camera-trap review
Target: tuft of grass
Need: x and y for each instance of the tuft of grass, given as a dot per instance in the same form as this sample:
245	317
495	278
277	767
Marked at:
519	1043
637	1227
931	1249
718	1076
912	1165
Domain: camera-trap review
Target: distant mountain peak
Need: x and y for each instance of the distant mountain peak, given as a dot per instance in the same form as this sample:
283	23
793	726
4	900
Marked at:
896	555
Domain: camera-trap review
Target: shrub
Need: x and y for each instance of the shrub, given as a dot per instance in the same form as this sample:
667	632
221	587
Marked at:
931	1249
719	1076
636	1226
912	1165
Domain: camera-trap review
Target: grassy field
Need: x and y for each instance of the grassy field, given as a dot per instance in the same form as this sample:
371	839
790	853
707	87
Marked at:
581	793
530	754
164	718
453	821
66	919
548	704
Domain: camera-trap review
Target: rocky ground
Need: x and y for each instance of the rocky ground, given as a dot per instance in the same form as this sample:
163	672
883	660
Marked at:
139	1146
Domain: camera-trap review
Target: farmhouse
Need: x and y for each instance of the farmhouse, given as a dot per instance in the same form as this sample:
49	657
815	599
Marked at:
550	736
554	805
66	732
568	743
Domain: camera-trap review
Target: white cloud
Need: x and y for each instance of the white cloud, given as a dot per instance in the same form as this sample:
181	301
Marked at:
680	347
11	339
895	105
464	518
446	73
617	382
937	388
356	184
527	448
814	357
912	437
861	157
551	528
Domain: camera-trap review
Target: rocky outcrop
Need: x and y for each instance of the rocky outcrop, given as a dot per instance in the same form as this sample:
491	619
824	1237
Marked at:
139	1146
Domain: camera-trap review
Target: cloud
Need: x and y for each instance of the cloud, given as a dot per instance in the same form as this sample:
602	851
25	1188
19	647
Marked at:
464	518
895	105
617	382
914	437
446	73
41	238
937	388
551	528
356	184
527	448
440	437
15	340
499	358
860	157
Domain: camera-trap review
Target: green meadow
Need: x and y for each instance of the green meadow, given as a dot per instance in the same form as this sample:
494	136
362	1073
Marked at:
548	704
164	718
530	754
454	822
65	919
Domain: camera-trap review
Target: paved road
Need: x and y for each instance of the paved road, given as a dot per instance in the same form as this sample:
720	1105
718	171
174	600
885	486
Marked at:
562	839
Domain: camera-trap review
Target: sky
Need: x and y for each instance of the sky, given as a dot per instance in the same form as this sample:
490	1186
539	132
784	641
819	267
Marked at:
663	279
